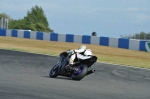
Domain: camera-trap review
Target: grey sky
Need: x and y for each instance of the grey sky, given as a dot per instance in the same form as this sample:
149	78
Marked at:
107	17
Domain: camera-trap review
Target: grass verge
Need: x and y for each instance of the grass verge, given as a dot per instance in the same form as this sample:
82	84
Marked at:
104	53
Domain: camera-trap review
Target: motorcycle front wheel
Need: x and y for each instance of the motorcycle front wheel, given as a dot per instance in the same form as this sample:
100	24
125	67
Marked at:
53	72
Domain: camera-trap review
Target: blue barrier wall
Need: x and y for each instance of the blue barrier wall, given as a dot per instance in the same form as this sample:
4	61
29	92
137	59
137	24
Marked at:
104	41
123	43
2	32
84	39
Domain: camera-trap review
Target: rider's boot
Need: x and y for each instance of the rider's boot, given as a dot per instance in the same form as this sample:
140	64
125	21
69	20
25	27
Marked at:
68	67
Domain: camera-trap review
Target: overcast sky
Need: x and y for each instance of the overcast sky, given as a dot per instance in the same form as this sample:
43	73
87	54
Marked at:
110	18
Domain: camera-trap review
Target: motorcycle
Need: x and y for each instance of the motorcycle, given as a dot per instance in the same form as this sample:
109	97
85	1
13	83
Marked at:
79	70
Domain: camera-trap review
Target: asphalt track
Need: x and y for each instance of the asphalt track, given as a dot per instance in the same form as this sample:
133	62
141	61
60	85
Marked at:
25	76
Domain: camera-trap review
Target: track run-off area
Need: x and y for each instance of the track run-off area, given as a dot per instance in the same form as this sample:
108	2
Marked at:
26	76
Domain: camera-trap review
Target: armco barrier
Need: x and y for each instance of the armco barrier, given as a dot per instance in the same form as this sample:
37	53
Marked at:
131	44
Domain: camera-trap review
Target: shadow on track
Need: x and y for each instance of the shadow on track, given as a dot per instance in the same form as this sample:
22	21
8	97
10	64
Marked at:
59	77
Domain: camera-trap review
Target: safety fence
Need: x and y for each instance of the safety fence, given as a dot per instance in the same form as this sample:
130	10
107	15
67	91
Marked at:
139	45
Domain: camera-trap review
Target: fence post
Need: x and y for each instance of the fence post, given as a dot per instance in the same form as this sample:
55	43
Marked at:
1	24
7	23
4	23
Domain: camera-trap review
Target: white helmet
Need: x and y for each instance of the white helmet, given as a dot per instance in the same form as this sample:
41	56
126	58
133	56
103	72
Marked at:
82	47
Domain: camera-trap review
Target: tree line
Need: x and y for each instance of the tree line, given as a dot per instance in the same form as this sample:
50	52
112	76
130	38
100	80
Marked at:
35	20
142	35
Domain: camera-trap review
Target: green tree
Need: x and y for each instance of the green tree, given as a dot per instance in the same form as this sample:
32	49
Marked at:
148	36
4	15
17	24
141	35
35	20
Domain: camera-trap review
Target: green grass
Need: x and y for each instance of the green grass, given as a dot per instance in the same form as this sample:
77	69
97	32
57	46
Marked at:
104	53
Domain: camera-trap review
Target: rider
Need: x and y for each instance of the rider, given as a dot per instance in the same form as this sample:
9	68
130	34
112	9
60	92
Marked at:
79	53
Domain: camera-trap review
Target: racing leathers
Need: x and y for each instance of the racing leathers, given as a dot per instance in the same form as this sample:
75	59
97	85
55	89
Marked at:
72	54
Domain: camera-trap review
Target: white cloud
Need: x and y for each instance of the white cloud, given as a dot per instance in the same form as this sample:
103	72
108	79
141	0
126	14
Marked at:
132	9
56	9
62	9
143	17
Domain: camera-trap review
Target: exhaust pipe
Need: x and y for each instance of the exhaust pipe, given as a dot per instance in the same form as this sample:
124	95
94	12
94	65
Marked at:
90	71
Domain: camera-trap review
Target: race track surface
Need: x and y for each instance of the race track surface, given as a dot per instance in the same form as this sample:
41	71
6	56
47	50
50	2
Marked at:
26	76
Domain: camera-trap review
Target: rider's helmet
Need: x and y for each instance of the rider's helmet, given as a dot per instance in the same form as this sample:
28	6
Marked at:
82	47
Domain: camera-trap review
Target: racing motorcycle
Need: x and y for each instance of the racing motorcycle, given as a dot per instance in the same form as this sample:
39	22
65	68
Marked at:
79	70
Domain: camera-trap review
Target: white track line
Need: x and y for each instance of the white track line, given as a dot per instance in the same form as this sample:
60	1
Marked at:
97	62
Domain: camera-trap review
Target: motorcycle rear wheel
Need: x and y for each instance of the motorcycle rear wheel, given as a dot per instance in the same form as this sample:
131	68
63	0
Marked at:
78	75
